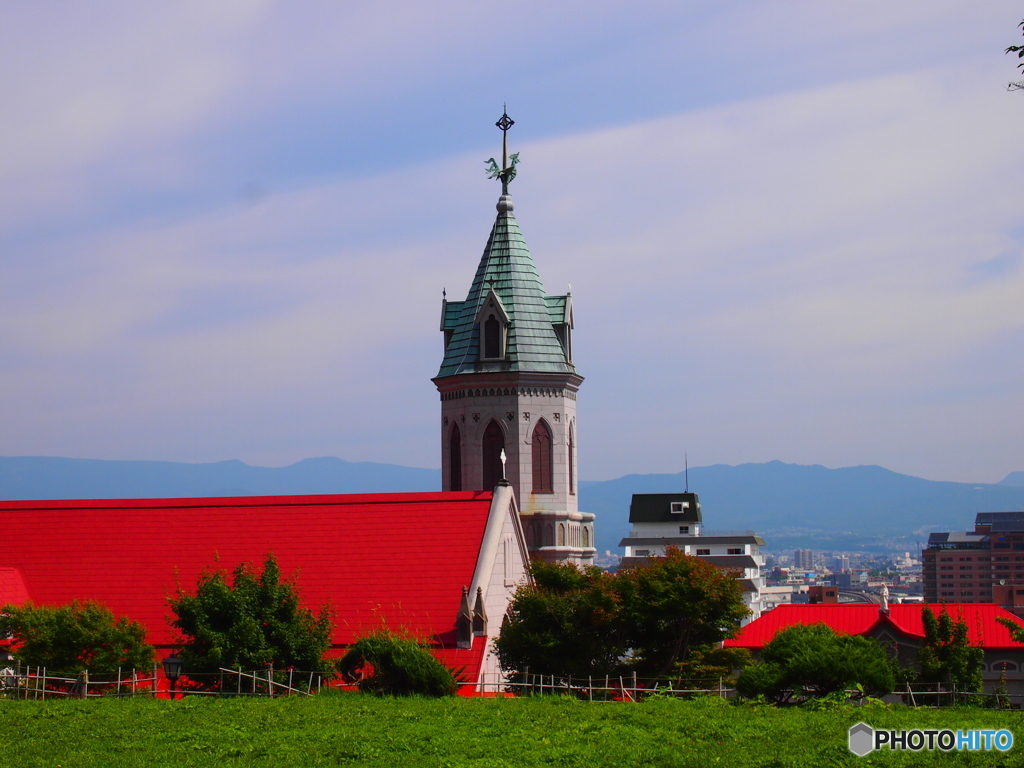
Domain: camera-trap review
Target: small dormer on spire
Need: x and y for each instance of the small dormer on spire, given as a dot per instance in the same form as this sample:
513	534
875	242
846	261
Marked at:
493	321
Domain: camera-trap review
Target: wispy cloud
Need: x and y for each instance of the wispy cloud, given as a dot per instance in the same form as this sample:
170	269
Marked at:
825	268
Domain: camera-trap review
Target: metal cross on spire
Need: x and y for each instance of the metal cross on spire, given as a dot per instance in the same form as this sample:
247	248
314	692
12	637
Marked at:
507	172
504	123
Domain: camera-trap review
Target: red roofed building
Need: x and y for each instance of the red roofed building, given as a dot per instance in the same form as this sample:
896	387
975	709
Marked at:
400	560
900	628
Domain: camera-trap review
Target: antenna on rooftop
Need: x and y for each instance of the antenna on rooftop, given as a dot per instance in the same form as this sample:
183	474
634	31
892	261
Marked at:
686	460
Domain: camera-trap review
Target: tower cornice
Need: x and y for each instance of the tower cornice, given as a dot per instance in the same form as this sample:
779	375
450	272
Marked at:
508	380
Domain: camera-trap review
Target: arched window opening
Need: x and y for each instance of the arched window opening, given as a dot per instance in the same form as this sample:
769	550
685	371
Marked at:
494	444
542	470
549	535
572	462
455	460
586	536
561	534
492	337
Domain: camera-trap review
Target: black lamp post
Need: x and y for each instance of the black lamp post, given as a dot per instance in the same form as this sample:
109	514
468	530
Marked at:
172	670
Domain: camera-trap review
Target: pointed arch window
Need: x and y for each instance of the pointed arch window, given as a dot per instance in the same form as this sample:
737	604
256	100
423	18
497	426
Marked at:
455	460
493	445
542	469
493	326
492	338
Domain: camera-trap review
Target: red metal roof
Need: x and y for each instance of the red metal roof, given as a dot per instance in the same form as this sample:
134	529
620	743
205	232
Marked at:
395	559
861	618
12	588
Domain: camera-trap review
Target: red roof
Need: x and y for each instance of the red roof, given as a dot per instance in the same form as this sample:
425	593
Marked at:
861	618
12	588
395	559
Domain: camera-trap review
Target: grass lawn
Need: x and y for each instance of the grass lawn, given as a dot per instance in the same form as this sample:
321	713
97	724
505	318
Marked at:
357	730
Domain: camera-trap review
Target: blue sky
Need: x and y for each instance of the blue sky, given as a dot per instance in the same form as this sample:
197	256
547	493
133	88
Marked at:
794	230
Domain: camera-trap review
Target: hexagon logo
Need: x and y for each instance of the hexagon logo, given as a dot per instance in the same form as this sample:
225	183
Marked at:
861	740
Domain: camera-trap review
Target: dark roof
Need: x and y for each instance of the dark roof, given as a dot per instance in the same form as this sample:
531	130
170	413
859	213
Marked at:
731	561
657	508
991	518
1001	522
532	344
694	541
724	562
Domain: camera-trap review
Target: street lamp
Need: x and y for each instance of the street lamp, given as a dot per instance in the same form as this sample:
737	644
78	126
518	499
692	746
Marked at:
172	670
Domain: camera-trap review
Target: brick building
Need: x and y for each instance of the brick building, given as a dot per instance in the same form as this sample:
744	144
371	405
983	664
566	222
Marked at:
985	565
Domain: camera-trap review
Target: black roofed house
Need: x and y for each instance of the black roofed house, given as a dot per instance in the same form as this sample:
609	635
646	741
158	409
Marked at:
661	520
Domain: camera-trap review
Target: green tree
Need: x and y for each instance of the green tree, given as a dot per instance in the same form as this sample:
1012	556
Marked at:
76	637
946	655
1019	50
566	622
389	665
811	661
250	620
660	620
674	605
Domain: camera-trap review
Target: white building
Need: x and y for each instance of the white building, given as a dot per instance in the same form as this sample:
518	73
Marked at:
661	520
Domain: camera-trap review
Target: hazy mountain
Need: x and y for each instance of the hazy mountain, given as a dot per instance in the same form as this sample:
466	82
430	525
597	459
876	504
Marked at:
796	505
789	504
1015	479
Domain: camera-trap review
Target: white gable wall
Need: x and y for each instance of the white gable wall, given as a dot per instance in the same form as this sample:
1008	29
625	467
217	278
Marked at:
501	567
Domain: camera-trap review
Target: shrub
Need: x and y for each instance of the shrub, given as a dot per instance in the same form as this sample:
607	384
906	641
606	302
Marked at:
386	664
812	661
76	637
253	621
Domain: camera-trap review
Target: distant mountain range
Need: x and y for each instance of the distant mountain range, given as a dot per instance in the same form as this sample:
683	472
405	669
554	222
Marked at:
790	505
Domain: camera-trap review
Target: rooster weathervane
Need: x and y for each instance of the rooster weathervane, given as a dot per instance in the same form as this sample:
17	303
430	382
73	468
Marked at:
507	172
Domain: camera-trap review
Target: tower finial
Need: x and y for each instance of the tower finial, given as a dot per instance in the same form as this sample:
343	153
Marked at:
505	122
507	171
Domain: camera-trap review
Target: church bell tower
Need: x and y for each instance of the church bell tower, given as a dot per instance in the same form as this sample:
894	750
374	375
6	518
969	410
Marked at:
508	388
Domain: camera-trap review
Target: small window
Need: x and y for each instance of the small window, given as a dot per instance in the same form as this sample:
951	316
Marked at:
734	551
684	529
677	507
492	338
642	553
703	551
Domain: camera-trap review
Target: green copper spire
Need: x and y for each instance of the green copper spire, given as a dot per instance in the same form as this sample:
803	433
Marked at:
535	327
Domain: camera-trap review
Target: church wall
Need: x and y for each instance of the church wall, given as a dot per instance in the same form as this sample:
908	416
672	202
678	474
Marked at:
508	573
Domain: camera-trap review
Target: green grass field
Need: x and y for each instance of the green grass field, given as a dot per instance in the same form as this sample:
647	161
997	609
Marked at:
358	730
